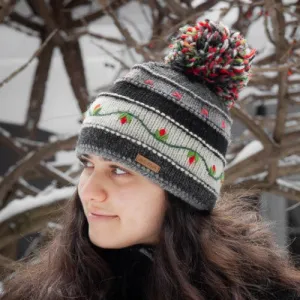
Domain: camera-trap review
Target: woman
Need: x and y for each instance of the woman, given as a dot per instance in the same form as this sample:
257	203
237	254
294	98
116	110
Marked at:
147	220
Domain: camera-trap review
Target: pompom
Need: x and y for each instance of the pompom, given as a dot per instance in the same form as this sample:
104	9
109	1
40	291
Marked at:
209	52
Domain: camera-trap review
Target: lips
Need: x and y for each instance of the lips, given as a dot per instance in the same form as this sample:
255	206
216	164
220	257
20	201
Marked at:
98	217
101	215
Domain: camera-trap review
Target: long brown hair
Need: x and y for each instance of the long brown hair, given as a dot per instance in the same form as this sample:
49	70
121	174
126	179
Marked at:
229	253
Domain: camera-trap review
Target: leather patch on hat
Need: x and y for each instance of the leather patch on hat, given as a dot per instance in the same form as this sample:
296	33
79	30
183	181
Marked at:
147	163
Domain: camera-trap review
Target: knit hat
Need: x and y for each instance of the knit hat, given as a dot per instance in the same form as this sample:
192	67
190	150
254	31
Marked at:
170	120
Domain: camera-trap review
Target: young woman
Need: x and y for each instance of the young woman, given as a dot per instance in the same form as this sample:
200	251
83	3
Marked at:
147	220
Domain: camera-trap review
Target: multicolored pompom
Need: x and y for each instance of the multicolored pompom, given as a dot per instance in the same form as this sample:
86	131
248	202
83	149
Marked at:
212	53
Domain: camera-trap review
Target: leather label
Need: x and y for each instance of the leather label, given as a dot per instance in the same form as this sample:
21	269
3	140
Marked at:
147	163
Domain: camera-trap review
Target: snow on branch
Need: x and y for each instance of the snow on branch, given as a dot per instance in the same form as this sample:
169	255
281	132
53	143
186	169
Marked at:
19	206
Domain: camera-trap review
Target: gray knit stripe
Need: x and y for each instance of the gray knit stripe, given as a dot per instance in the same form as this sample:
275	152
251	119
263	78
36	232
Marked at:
179	81
112	97
210	97
168	86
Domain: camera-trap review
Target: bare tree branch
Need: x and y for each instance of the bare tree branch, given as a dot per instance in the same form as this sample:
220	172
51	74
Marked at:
252	126
33	221
14	16
5	8
38	90
30	160
35	54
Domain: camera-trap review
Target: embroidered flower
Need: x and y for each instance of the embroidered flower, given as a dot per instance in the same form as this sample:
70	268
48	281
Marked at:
223	124
193	157
149	81
212	170
161	134
204	112
125	118
177	95
96	110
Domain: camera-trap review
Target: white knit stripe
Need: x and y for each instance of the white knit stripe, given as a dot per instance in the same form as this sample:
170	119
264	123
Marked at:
153	121
143	66
113	96
213	189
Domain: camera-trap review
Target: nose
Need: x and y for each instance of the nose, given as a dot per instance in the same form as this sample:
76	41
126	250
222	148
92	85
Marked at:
95	188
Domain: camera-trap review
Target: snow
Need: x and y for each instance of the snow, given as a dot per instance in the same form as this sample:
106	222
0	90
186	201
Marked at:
30	187
4	132
250	149
288	185
18	206
54	225
59	173
292	207
260	176
64	158
289	161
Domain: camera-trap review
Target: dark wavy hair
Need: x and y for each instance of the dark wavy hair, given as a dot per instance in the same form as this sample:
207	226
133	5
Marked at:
229	253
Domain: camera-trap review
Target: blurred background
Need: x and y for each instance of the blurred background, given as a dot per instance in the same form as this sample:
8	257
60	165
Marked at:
56	56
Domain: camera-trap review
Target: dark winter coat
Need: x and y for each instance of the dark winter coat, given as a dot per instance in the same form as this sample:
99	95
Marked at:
131	267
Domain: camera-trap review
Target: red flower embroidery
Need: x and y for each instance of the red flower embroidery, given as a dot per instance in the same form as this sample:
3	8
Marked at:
223	124
212	170
161	134
123	120
193	157
204	112
177	95
149	81
162	131
96	109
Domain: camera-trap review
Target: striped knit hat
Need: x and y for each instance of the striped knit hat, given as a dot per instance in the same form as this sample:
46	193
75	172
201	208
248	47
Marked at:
170	121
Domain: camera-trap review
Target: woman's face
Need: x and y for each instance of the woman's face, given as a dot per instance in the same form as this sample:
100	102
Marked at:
136	204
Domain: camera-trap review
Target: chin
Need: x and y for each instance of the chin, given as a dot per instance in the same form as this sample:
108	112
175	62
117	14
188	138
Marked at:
109	244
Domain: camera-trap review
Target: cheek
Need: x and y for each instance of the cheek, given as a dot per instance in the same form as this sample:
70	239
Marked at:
142	210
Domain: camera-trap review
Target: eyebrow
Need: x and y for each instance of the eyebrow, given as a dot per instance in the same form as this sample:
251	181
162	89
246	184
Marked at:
100	158
106	159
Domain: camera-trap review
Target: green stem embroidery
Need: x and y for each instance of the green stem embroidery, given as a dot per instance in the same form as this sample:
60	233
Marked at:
130	115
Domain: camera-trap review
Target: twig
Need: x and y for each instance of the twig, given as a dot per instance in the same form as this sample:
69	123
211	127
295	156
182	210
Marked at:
5	9
112	55
35	54
30	160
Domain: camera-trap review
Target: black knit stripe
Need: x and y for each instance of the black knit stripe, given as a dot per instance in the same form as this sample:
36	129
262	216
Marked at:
91	139
187	119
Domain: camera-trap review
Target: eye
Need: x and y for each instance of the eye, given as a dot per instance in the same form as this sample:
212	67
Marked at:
123	172
85	163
